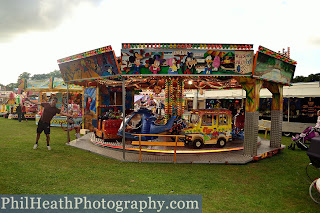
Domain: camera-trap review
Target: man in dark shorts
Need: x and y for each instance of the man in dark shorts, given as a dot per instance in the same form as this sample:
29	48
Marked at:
23	112
49	110
18	111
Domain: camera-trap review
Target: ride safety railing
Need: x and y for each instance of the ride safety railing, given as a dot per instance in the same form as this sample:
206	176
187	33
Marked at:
176	143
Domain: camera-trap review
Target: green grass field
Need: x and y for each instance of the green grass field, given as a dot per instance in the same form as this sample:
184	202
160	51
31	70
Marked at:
276	184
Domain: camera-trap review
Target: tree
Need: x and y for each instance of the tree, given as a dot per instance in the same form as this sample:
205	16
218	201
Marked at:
55	73
2	87
23	75
39	76
299	79
11	86
312	78
309	78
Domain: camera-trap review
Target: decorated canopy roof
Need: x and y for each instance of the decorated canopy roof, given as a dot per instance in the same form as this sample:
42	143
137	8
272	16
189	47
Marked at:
191	61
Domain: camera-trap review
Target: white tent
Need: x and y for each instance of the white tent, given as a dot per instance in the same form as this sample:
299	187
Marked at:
298	90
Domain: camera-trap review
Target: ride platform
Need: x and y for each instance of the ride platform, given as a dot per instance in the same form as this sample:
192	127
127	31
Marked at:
232	153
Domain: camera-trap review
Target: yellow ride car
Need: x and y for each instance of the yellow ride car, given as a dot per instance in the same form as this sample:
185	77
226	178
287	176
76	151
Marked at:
209	126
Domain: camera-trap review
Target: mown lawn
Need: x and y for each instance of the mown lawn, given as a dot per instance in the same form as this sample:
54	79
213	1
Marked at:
276	184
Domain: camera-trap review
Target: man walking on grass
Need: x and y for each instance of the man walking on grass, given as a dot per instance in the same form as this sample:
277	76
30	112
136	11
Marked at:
18	111
49	110
23	112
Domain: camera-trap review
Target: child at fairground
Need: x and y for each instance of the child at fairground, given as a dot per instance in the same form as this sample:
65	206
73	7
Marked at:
73	125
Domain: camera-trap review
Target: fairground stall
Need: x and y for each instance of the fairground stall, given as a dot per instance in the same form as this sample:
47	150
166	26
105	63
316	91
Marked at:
28	99
31	107
172	68
7	102
68	97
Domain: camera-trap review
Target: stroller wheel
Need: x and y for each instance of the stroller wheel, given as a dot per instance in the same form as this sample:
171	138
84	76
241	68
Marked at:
313	192
292	146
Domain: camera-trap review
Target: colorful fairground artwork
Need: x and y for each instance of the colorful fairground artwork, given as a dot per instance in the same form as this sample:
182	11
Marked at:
209	127
58	83
90	110
89	65
39	84
273	66
52	84
188	59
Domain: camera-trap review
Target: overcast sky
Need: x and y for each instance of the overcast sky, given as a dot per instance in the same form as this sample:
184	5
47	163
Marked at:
36	33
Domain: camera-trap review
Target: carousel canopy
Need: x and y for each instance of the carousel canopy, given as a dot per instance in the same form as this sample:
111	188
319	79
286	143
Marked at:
208	65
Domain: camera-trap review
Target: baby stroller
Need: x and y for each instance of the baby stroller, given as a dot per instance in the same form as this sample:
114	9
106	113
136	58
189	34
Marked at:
300	140
314	156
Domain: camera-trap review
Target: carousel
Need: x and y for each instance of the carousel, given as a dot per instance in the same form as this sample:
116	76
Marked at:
157	132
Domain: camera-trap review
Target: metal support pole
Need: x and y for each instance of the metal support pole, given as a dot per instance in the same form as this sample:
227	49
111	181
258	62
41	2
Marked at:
68	135
139	148
175	150
195	100
242	98
124	115
288	109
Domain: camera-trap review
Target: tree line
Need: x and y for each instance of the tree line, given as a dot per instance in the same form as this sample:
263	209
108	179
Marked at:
309	78
26	75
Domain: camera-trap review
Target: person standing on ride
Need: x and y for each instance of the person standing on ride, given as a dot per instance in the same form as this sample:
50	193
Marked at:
49	110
